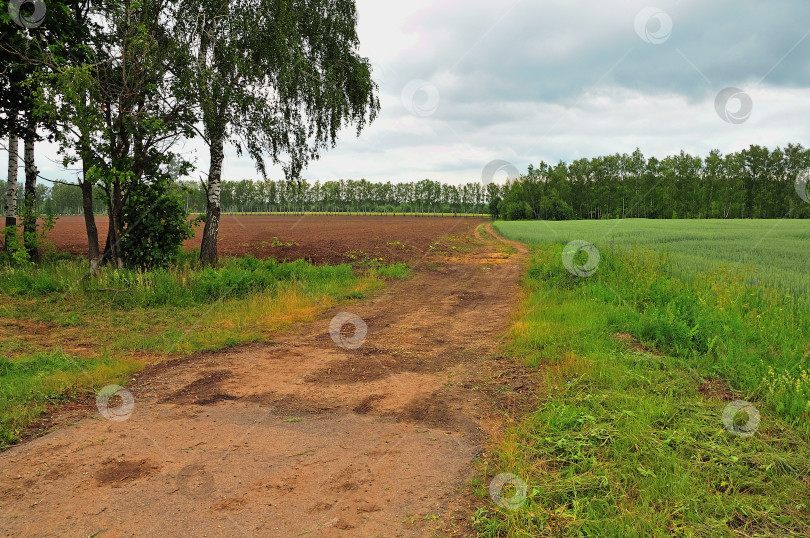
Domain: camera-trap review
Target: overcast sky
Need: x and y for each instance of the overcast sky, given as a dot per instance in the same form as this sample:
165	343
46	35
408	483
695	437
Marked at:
465	82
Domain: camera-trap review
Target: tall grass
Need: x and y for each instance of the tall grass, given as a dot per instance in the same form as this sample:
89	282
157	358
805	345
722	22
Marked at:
177	310
180	285
28	385
745	326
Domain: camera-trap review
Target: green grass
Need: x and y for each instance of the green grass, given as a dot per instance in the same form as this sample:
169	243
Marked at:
623	442
28	385
394	271
179	286
66	333
717	317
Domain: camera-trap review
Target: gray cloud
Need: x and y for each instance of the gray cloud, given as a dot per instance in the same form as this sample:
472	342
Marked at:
563	79
554	51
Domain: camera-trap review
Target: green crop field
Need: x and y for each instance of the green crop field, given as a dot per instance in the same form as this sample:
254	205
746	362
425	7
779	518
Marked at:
772	251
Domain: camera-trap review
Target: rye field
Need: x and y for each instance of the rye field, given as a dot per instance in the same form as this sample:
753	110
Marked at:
767	251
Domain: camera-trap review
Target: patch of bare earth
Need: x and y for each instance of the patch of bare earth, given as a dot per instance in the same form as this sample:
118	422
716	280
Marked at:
634	344
297	437
716	389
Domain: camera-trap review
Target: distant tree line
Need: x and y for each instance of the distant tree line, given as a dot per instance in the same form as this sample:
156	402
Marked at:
753	183
342	196
59	199
248	196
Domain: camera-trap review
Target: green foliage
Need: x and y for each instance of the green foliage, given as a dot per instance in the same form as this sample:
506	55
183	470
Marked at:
515	209
554	208
15	252
259	63
494	196
181	284
156	224
752	183
395	271
111	103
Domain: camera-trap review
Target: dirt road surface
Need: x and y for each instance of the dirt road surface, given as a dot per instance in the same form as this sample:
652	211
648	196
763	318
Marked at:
299	437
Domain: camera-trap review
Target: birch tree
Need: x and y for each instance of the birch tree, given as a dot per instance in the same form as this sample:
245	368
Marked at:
14	99
277	79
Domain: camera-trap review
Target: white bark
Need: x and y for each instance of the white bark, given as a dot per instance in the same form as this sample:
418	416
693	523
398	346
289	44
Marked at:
11	185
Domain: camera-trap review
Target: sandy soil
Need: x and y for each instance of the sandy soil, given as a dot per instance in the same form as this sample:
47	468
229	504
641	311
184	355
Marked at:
297	437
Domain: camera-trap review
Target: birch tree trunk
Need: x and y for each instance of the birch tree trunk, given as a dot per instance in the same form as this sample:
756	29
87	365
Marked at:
11	186
216	135
208	248
30	201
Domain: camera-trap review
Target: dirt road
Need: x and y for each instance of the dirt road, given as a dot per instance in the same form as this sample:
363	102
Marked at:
297	437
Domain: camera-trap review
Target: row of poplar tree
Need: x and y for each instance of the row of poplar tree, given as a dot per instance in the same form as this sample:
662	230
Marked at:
247	196
753	183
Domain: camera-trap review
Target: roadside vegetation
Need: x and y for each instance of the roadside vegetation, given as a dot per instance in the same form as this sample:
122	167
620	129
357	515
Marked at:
68	334
640	361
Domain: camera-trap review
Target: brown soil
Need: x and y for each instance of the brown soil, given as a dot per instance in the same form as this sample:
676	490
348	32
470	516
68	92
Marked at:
634	344
716	389
320	239
299	436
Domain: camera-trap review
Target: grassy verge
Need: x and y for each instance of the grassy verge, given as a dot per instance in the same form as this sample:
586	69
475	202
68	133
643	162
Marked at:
629	437
30	385
66	334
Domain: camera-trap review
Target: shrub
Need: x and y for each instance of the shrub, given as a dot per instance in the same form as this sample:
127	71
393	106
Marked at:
554	208
516	210
156	224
